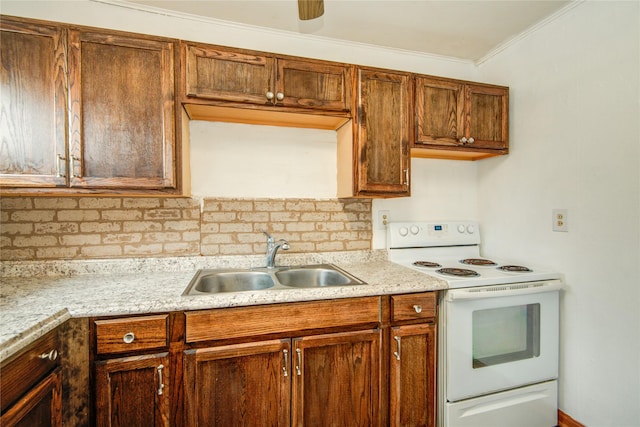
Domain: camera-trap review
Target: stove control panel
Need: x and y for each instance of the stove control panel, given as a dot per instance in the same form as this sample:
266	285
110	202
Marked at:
429	234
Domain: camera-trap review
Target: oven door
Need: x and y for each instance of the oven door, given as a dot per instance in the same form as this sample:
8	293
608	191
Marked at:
500	337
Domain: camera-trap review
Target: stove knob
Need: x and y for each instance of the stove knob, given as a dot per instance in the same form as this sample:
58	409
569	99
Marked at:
471	229
403	231
414	229
461	228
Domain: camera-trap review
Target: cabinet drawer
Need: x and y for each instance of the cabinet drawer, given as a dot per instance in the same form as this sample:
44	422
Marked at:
280	318
413	307
131	334
26	369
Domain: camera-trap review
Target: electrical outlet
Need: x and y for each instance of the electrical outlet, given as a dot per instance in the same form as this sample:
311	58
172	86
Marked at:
560	220
382	220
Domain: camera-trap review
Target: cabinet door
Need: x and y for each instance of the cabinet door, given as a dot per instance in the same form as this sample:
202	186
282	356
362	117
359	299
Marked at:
228	75
133	391
33	106
122	125
486	119
41	406
439	111
238	385
412	376
336	379
313	85
383	133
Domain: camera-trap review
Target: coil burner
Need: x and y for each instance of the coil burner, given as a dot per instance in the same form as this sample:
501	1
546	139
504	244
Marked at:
459	272
515	269
427	264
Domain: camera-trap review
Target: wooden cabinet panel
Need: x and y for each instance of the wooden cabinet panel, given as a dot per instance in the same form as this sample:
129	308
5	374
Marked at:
486	120
133	391
413	307
308	84
41	406
412	376
238	385
227	75
246	77
383	134
131	334
461	120
122	122
281	318
34	104
336	379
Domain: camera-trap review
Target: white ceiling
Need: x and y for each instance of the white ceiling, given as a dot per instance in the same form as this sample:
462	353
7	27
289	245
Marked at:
454	28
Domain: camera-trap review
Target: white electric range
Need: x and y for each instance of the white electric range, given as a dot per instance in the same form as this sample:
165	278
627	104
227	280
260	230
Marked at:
498	328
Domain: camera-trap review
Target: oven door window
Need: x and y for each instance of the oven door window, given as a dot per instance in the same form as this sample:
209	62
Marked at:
505	334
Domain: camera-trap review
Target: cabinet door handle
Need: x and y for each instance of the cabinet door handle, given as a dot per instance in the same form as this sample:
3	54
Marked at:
286	362
129	337
471	140
397	353
298	366
52	355
269	95
64	161
463	140
279	96
417	308
406	176
161	385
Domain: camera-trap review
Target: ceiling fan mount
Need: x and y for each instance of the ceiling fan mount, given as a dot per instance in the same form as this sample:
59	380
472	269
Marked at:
310	9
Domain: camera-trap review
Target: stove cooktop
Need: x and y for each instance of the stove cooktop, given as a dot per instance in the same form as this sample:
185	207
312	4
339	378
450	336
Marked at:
450	251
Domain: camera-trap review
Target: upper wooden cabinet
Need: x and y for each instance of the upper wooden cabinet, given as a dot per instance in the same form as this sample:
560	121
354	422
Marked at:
34	104
122	123
376	163
223	77
460	120
86	110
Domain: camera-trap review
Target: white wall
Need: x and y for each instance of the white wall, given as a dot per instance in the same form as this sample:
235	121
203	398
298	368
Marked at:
575	144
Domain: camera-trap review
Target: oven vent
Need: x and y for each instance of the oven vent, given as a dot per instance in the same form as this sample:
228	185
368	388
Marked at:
511	287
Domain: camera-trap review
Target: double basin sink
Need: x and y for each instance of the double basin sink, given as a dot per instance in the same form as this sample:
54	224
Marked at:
215	281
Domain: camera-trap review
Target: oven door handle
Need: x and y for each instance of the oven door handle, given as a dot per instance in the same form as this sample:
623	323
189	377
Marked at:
511	289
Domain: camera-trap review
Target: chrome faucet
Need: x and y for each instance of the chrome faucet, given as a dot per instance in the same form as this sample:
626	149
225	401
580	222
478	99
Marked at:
272	249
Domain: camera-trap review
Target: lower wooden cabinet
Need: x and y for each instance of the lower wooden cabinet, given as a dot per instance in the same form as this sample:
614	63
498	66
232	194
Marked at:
329	379
31	385
412	376
133	391
41	406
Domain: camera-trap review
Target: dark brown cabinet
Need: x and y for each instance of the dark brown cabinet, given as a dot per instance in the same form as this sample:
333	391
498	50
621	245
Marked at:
381	137
247	77
33	112
133	391
86	110
31	385
460	120
122	118
412	365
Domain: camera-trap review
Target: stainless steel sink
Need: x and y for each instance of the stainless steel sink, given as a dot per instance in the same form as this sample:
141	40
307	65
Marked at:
238	280
312	277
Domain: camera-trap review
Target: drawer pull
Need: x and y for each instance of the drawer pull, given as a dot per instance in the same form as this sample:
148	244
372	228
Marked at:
128	337
417	308
161	386
52	355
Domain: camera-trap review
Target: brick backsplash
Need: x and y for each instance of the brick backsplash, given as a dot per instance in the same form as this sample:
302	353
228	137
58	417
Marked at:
42	228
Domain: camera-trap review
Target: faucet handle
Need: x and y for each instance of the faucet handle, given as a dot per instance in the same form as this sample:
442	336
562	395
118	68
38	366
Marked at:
269	238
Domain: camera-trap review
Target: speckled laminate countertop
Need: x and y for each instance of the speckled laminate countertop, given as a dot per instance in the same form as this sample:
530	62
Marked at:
36	297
